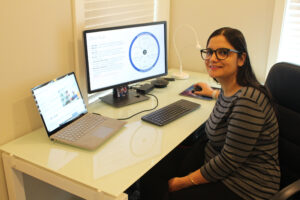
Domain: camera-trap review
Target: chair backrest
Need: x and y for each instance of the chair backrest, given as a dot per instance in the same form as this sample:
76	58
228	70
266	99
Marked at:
283	82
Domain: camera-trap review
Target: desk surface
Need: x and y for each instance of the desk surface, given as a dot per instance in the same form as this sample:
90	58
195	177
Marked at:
123	159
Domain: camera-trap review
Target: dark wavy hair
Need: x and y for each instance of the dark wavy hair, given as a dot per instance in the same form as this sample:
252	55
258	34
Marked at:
245	74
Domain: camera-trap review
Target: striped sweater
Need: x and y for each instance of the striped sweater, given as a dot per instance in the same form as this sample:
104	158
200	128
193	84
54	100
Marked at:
242	150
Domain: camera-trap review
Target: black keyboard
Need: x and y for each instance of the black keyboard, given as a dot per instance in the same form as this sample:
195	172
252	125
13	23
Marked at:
170	112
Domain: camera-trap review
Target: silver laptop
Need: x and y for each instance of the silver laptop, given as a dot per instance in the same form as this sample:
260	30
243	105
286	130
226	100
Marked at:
65	115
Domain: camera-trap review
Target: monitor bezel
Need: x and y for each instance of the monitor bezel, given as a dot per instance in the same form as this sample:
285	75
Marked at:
85	32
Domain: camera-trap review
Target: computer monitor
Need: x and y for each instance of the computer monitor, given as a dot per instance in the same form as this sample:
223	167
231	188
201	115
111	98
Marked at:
119	56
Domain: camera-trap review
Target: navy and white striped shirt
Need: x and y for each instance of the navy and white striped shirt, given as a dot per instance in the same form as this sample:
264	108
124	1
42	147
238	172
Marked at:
242	150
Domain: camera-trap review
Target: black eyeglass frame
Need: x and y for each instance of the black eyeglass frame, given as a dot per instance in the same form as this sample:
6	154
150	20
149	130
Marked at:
215	51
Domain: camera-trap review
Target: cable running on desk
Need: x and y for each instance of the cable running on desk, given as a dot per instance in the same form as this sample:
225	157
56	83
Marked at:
142	110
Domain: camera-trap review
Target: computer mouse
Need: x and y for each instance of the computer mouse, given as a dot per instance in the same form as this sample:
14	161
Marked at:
197	88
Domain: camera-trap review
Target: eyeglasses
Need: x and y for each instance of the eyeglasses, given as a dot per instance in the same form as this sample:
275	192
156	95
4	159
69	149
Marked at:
221	53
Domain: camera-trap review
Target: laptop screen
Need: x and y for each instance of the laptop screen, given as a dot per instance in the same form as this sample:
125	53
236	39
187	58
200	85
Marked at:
59	101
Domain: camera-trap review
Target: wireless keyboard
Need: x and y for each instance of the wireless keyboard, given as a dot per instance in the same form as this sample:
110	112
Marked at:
170	112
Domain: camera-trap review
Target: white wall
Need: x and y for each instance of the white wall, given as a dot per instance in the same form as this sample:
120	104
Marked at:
36	45
252	17
278	15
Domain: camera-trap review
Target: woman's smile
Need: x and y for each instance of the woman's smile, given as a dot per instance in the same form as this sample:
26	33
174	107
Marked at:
214	67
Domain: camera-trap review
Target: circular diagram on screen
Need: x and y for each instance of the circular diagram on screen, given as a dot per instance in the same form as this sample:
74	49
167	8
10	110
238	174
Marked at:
144	52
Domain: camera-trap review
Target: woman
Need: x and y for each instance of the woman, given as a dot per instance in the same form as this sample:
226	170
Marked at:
240	158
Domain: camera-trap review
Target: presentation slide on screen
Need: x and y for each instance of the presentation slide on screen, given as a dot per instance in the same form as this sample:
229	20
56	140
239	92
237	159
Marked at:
122	55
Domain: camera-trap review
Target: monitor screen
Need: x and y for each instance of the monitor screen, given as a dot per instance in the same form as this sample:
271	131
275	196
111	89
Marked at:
118	56
123	55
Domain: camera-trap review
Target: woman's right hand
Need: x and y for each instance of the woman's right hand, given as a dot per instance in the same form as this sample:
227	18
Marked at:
206	89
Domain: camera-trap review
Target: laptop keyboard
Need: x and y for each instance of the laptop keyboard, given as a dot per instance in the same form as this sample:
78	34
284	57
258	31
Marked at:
81	127
170	112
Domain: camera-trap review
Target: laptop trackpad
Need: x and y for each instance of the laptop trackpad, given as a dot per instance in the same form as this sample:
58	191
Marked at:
102	132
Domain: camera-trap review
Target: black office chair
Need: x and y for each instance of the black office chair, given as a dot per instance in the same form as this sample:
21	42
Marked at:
283	82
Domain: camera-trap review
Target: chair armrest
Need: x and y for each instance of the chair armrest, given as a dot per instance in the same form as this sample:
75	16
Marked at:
287	191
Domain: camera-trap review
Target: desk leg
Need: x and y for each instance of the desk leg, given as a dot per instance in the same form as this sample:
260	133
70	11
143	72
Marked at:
14	169
14	179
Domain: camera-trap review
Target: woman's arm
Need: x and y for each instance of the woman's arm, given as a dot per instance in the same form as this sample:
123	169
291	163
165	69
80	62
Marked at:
194	178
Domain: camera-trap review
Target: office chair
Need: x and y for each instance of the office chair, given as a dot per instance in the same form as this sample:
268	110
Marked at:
283	82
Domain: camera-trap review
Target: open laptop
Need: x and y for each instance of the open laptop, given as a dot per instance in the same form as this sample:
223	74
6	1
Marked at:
65	115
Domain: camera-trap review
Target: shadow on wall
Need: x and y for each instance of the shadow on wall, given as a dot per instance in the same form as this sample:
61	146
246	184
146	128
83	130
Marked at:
26	117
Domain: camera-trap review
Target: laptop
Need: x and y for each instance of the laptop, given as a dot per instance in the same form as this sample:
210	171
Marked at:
65	114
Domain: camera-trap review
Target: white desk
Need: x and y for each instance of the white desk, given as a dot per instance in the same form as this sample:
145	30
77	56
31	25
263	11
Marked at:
105	173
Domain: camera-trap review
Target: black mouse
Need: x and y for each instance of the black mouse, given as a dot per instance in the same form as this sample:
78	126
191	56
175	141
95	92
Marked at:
197	88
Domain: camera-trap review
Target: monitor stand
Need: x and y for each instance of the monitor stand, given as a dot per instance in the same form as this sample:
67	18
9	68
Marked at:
122	96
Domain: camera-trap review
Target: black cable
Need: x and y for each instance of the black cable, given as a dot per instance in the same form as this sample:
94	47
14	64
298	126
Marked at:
142	110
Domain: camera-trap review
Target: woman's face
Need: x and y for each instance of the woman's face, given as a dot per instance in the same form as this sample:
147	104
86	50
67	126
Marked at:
223	70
